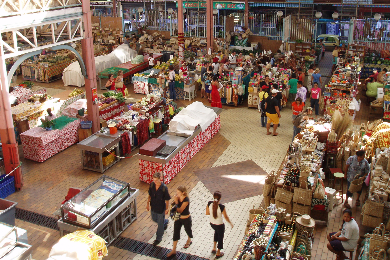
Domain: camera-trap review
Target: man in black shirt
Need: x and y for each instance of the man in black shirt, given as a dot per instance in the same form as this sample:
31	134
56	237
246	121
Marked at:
272	112
158	202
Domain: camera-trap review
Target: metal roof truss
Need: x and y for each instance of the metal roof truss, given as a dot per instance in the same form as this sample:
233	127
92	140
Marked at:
40	30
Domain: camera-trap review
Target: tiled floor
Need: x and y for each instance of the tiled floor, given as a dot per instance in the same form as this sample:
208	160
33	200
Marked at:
240	139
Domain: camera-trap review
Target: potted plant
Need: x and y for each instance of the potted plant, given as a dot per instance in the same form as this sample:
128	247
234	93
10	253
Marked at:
47	124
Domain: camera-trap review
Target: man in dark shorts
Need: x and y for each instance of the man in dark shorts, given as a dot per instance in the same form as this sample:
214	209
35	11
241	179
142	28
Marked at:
346	239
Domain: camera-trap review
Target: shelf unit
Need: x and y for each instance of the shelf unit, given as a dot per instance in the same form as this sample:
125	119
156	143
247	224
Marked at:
357	49
300	48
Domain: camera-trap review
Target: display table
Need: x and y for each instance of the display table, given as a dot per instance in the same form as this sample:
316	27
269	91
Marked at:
40	144
187	147
106	207
93	147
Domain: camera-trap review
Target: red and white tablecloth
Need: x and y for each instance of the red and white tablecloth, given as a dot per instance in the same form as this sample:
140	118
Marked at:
174	166
141	87
112	111
39	144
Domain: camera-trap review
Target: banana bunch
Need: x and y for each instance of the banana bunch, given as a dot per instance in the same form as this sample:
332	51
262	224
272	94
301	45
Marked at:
75	92
177	77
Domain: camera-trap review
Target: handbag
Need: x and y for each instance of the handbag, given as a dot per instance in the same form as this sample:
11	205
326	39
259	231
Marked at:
119	85
356	184
319	192
254	212
284	195
302	196
373	208
378	240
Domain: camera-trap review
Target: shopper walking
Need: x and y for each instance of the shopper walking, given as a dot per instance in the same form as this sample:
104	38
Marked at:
216	211
315	98
215	97
263	95
292	83
316	78
322	48
158	204
356	167
203	71
183	207
171	84
273	113
301	92
309	78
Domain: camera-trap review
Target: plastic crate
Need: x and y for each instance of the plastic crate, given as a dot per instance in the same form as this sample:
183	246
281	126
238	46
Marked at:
7	186
86	124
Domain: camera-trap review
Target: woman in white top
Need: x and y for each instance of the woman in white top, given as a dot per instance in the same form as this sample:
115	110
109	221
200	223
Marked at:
216	222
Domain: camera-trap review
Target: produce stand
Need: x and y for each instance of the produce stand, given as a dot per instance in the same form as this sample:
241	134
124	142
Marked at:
185	148
106	207
93	148
40	144
107	112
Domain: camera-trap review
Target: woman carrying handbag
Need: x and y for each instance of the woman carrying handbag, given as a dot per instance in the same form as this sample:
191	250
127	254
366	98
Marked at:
217	210
184	219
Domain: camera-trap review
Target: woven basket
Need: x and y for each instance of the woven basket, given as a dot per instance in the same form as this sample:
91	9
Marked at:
286	206
370	221
356	185
254	212
302	196
267	201
283	195
267	189
378	255
301	209
373	208
378	240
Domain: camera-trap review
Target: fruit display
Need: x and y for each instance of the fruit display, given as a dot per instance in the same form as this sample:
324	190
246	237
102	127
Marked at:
76	92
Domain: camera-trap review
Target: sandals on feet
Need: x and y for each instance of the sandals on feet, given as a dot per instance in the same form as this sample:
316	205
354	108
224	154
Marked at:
213	252
219	256
187	245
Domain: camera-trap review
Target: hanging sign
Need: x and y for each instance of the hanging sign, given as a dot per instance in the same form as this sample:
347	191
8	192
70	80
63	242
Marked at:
225	5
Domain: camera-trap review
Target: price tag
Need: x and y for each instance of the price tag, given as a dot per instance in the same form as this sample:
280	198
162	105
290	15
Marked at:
171	57
158	62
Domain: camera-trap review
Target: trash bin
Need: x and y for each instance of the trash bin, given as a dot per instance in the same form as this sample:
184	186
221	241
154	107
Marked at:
7	211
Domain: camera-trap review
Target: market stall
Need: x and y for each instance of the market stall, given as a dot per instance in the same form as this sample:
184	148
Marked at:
182	141
106	207
72	75
46	67
40	144
129	68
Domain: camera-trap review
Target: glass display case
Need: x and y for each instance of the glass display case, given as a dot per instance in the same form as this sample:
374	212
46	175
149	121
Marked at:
95	202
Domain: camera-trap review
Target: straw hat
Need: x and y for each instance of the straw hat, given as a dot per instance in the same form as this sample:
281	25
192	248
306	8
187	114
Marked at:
306	221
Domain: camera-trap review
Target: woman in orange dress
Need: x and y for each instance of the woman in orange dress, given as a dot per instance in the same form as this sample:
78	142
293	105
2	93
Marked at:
215	97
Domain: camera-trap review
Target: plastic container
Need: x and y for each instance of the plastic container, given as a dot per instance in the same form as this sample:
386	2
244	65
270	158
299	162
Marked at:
86	124
7	186
7	211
